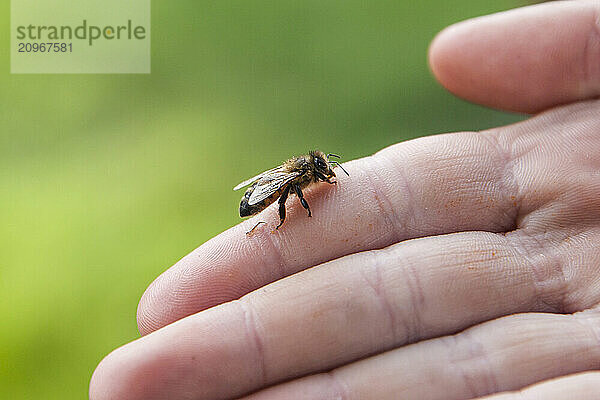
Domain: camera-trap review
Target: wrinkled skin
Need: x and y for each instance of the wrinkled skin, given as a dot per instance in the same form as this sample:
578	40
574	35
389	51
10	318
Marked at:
498	291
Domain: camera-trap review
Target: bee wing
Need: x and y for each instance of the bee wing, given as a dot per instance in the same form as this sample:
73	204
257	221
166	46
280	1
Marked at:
254	178
269	184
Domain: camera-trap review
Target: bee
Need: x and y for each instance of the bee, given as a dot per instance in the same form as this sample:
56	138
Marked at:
291	177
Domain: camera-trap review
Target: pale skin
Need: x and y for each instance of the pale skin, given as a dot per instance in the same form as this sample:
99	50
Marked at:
498	294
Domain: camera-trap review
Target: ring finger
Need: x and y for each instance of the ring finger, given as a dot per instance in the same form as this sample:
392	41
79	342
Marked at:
501	355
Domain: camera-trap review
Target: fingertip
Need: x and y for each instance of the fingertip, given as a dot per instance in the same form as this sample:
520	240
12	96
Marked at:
112	379
468	60
147	369
170	297
99	389
442	54
147	320
212	274
157	306
184	289
524	60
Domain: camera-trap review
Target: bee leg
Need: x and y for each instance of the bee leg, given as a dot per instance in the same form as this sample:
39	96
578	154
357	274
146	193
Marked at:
302	199
282	200
324	179
252	230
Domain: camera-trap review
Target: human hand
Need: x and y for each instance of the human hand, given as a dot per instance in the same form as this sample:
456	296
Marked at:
506	229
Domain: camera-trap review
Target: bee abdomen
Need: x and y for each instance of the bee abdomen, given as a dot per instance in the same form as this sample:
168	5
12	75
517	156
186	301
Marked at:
247	209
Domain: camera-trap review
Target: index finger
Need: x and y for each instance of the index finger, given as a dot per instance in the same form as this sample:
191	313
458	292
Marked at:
490	181
428	186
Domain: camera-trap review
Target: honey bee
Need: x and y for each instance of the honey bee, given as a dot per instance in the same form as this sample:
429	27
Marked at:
289	178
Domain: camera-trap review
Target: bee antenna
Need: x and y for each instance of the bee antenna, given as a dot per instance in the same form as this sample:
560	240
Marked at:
332	155
340	165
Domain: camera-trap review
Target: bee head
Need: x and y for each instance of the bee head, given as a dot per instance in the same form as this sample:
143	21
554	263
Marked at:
323	165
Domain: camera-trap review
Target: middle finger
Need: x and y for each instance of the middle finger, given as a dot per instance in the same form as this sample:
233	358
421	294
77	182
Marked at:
344	310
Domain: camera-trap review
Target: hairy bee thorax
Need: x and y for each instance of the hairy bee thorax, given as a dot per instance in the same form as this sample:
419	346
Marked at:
304	165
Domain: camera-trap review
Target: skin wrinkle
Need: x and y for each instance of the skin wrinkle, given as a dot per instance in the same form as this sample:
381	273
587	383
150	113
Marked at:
581	385
277	259
528	254
554	236
338	386
398	319
416	215
585	296
590	56
475	352
516	395
417	302
401	175
444	156
392	220
509	183
378	288
501	182
583	319
570	204
254	335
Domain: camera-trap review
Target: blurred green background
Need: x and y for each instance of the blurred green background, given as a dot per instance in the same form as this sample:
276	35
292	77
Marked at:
107	180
